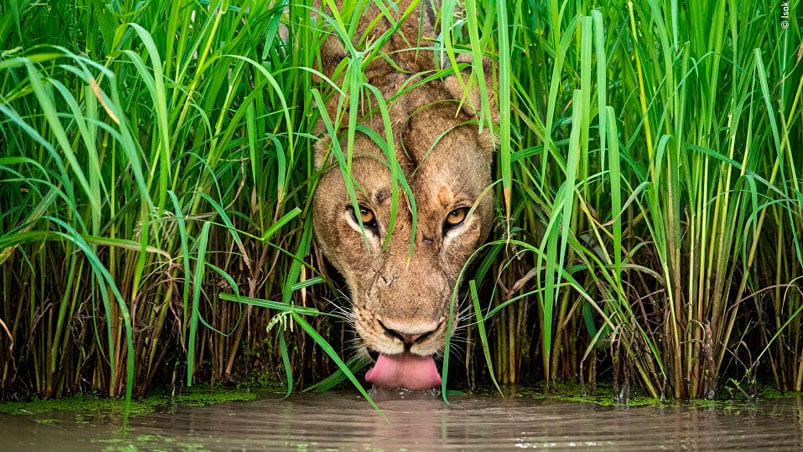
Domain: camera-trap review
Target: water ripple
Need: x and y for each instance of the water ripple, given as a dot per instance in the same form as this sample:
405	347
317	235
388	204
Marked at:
341	421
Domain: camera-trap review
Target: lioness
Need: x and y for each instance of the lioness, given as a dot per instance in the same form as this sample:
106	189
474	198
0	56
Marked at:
400	301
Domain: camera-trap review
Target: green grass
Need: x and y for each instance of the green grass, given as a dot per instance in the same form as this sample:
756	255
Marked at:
156	167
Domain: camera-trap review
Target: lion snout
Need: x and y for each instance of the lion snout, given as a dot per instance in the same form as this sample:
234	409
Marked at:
393	334
410	334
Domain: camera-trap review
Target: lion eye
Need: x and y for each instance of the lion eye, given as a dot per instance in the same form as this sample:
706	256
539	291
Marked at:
366	215
456	217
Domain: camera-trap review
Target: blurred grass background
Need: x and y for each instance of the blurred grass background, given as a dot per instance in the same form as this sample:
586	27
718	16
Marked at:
156	166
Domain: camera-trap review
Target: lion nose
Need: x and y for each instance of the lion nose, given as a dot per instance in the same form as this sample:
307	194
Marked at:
407	339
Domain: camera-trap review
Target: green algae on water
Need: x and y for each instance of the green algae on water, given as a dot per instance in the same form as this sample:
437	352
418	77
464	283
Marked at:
90	403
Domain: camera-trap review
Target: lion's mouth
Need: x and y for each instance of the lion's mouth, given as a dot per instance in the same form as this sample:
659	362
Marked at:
404	370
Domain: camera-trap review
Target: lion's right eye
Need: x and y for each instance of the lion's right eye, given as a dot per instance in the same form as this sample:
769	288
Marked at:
366	215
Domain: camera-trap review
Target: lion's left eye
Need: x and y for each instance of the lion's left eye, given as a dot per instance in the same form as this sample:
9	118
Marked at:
455	217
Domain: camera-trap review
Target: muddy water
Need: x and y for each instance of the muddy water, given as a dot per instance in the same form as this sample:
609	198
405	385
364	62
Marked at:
342	421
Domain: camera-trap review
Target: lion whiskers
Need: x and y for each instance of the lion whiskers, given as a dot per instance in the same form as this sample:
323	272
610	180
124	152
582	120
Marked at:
339	307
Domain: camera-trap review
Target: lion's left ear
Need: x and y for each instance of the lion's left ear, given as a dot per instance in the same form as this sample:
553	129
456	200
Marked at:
469	94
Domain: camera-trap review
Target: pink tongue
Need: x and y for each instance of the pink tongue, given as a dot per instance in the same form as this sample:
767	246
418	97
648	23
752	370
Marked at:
404	370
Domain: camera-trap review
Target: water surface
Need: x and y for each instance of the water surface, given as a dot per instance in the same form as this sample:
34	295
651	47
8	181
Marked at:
343	421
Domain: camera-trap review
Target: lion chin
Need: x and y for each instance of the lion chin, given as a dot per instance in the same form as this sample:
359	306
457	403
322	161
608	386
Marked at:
400	250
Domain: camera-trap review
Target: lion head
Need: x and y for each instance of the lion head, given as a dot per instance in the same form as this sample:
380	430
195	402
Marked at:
400	276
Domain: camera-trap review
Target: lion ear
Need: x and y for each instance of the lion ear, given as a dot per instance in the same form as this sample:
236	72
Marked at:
469	94
332	51
467	91
332	54
321	151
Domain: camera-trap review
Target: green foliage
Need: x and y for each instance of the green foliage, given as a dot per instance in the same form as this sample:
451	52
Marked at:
143	163
156	167
653	185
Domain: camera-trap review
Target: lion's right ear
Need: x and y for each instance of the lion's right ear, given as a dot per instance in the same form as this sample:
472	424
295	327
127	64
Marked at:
332	54
332	51
322	153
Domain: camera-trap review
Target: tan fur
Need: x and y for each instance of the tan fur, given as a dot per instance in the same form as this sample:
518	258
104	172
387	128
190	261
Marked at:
447	165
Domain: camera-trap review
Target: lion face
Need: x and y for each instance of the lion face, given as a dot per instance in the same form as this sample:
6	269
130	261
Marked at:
400	298
401	272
